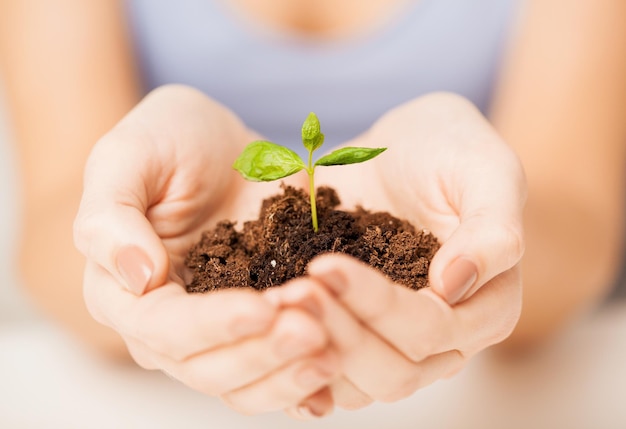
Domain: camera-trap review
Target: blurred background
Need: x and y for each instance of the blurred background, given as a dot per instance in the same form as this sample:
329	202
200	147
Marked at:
13	307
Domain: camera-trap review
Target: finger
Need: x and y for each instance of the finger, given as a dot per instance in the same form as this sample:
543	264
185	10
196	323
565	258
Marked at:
349	397
478	250
287	387
371	364
142	184
492	313
320	404
420	324
295	335
172	322
489	238
122	240
111	227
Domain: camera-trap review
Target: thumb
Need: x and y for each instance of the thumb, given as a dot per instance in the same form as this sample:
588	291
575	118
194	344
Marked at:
478	250
111	227
121	239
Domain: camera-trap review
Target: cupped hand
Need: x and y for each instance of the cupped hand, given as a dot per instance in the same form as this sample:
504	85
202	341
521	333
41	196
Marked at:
448	171
152	184
445	170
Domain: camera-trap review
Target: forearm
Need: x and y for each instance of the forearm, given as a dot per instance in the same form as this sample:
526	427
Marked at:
572	254
52	273
561	104
64	90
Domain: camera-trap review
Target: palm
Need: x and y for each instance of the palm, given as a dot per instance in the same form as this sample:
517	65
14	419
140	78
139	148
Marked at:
180	221
415	193
438	170
174	154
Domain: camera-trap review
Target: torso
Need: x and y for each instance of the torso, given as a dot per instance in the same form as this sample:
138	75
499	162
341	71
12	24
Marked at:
272	71
323	19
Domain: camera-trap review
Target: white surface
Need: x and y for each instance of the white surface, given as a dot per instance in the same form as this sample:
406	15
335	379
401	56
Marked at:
48	381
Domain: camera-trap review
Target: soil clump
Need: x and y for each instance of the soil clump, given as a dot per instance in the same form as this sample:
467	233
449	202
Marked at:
278	246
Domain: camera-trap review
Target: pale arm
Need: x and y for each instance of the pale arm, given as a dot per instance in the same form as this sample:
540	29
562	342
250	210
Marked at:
69	77
562	105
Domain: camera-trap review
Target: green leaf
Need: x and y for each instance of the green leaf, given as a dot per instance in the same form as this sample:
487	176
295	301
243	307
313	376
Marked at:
263	161
312	137
350	155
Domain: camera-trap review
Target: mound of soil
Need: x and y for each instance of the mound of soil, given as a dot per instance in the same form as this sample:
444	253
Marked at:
278	245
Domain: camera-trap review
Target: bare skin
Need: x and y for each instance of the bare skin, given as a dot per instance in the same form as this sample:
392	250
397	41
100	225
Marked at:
561	104
324	19
64	89
135	227
585	133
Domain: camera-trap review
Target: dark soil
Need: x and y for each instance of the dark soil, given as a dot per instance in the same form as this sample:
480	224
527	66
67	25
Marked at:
278	245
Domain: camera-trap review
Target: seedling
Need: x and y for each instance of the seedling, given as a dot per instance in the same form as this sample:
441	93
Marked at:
264	161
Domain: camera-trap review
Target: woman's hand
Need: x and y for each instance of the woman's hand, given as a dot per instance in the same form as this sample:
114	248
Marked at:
392	340
152	184
448	171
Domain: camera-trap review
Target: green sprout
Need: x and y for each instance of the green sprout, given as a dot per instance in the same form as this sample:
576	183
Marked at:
264	161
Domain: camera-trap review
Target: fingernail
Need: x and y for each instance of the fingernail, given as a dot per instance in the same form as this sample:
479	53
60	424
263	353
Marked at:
458	278
307	412
135	268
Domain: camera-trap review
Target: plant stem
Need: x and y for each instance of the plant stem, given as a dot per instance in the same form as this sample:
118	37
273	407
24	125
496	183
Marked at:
310	171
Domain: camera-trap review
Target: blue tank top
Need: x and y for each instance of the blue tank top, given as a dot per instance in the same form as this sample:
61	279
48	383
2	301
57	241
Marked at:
273	80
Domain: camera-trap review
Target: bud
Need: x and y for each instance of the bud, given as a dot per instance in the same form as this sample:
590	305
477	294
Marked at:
312	138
